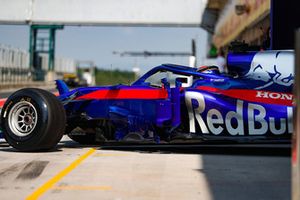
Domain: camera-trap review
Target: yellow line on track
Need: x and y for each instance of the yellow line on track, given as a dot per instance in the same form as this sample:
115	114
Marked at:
81	187
41	190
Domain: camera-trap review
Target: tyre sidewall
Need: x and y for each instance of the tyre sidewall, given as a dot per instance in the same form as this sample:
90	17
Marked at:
41	107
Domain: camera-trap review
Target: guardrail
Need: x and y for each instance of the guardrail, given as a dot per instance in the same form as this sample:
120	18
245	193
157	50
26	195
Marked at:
15	75
14	66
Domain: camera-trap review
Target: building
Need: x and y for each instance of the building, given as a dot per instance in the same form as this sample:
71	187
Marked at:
237	20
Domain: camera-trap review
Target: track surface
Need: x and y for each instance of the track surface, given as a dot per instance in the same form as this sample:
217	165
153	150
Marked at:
73	171
146	172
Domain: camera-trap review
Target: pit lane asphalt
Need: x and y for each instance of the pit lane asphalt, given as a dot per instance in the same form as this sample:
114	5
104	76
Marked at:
74	171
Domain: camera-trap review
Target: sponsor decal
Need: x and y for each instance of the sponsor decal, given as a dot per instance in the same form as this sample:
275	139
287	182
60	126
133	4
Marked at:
236	117
28	99
272	68
7	107
259	96
274	95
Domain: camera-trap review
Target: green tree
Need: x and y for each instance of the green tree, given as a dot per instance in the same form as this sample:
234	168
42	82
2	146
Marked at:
108	77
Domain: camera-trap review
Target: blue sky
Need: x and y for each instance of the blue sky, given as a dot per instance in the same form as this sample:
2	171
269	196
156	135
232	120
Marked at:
98	43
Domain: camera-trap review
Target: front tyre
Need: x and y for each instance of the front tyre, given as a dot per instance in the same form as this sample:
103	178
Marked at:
33	120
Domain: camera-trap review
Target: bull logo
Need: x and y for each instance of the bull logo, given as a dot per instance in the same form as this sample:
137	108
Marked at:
274	67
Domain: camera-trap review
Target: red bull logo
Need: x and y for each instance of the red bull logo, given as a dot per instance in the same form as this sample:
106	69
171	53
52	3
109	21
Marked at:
272	67
239	118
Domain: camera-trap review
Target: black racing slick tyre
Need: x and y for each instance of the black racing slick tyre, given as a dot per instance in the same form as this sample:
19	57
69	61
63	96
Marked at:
33	120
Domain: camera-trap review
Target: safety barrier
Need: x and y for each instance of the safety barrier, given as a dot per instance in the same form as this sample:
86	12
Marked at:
15	75
14	66
62	65
13	58
65	65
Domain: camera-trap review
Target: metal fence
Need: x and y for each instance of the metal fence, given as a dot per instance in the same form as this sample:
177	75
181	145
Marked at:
14	75
13	58
14	65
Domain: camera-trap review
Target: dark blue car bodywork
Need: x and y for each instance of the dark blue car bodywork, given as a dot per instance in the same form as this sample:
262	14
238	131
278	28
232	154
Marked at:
178	103
214	107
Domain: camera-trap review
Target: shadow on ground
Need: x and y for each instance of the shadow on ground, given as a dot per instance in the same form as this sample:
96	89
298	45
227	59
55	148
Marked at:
235	172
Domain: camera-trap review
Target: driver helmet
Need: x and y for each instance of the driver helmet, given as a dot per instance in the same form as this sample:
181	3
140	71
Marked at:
209	70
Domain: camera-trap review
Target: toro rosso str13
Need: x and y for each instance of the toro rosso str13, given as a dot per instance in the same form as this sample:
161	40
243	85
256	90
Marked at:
170	103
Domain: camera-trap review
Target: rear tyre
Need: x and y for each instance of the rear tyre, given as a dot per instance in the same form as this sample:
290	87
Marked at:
33	120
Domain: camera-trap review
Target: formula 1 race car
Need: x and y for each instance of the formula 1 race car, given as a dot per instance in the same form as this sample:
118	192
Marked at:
168	104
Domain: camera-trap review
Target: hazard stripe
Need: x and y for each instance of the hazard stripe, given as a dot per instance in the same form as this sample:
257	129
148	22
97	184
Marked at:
254	95
126	94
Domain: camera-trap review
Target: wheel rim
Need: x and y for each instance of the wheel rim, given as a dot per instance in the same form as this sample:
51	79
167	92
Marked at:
22	118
